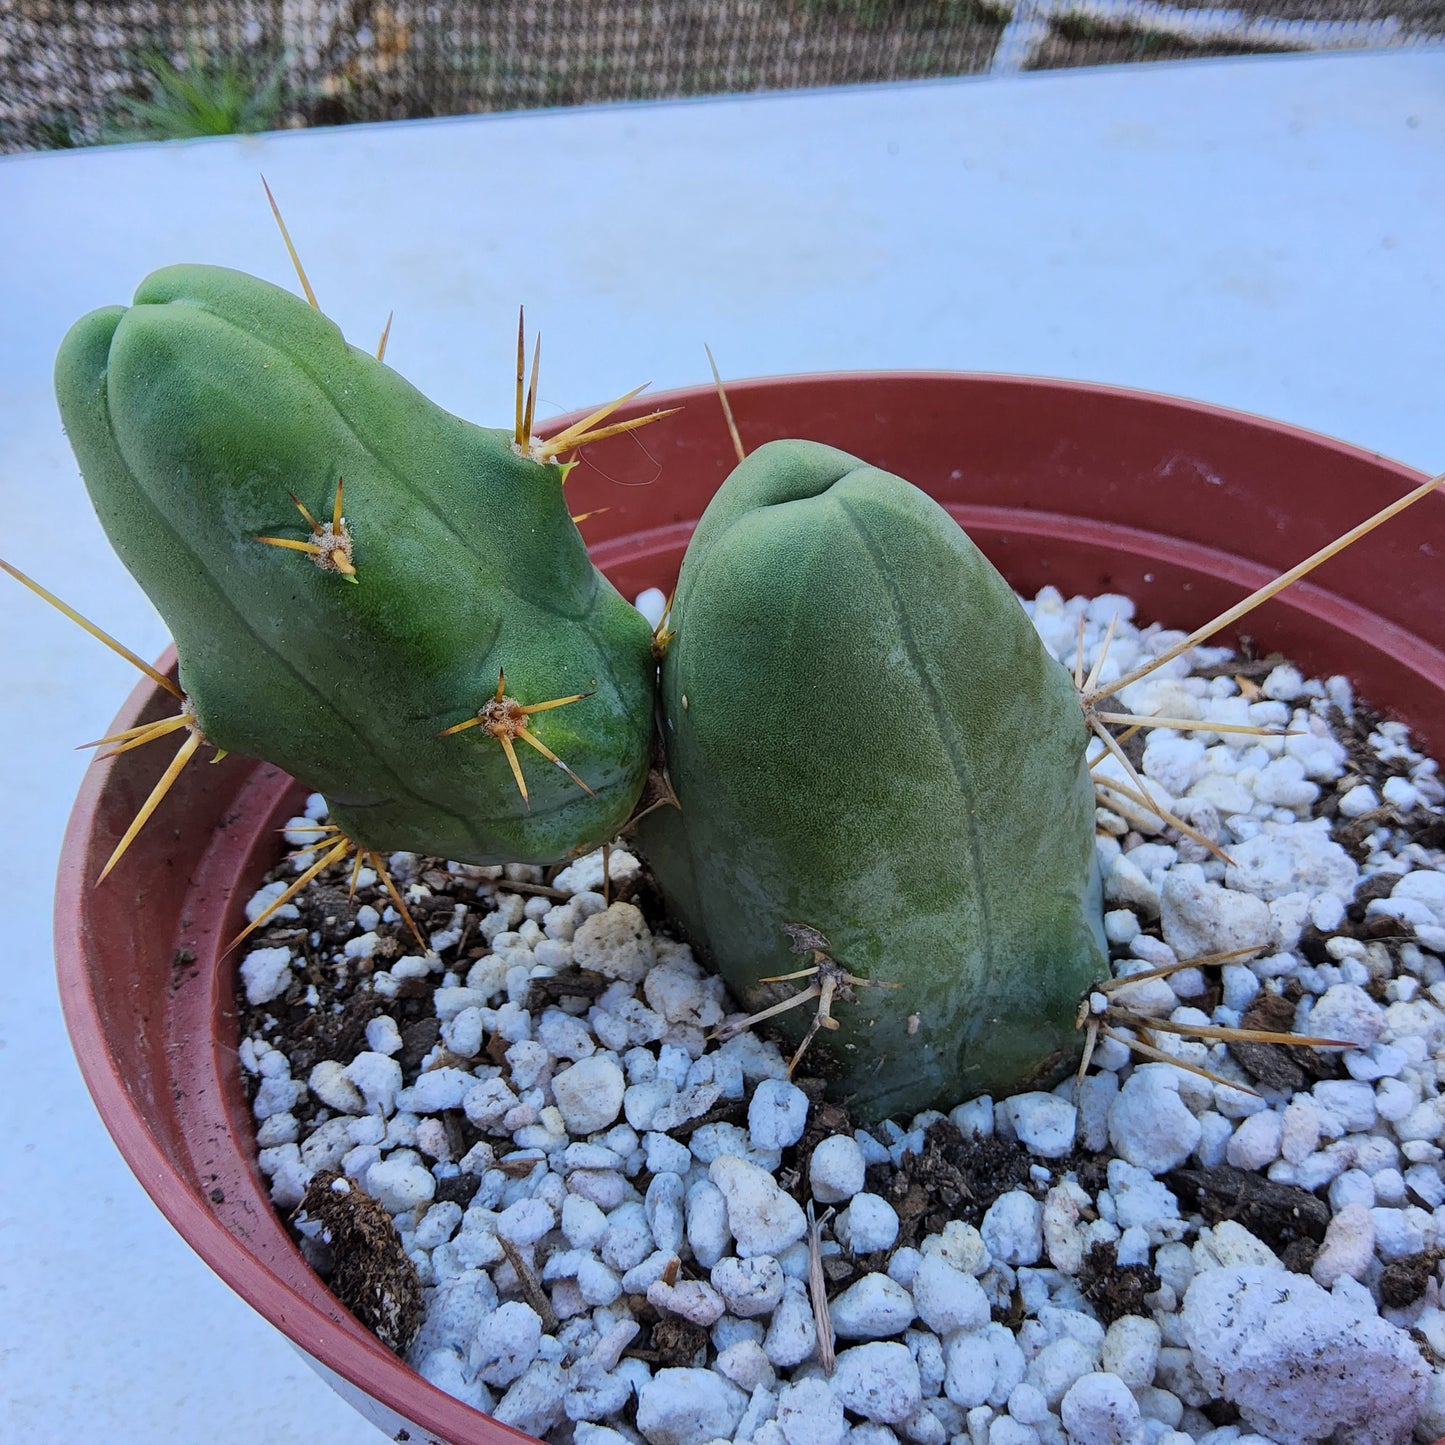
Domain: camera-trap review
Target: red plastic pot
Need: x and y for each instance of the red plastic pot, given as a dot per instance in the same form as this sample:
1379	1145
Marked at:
1184	507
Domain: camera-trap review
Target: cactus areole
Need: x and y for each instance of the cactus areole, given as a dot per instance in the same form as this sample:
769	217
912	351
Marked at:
881	771
198	414
868	740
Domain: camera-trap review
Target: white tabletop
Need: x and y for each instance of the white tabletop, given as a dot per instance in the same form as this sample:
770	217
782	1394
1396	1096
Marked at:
1263	233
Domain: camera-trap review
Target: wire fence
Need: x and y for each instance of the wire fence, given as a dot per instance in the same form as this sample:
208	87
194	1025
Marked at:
75	72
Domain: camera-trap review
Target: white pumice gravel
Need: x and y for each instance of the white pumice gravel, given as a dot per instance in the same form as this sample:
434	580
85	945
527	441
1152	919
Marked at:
607	1208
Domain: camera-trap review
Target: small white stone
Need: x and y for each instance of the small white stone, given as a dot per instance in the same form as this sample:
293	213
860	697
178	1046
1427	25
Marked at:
869	1223
749	1287
1358	801
329	1083
383	1036
792	1335
836	1170
1131	1349
266	973
1300	1130
1058	1365
762	1218
435	1090
1013	1228
1043	1123
1256	1141
1005	1430
378	1076
961	1245
589	1093
1424	885
526	1221
1099	1409
878	1381
1292	858
974	1118
1285	683
947	1299
1300	1362
810	1413
707	1223
615	943
692	1299
399	1185
1399	1232
1345	1011
1400	793
1149	1124
487	1103
264	897
746	1365
872	1309
628	1240
1063	1239
1230	1245
535	1403
688	1407
1282	784
1347	1106
777	1114
1127	886
1348	1248
1200	917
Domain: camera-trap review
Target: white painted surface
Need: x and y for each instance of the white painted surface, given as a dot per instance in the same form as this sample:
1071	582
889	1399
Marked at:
1260	233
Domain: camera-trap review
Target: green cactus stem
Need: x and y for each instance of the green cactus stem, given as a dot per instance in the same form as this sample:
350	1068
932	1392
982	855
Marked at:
216	407
870	745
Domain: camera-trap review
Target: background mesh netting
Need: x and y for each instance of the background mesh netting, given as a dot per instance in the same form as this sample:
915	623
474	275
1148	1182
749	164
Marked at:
65	63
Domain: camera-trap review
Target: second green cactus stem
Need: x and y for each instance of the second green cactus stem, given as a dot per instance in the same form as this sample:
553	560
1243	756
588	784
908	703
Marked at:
868	739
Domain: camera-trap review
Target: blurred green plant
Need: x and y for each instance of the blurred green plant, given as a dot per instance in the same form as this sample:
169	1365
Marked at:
209	96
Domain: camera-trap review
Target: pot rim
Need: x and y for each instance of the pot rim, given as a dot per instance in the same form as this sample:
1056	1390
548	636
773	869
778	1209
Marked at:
340	1344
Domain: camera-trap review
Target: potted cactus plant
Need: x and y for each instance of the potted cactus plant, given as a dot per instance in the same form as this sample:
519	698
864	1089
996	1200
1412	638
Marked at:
397	609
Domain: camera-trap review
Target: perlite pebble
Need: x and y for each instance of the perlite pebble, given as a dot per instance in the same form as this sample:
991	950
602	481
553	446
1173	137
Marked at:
749	1286
589	1094
947	1299
266	974
1099	1409
810	1413
615	943
836	1170
1149	1124
760	1216
869	1223
777	1114
505	1343
878	1381
1013	1228
1301	1362
688	1408
1043	1123
872	1309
